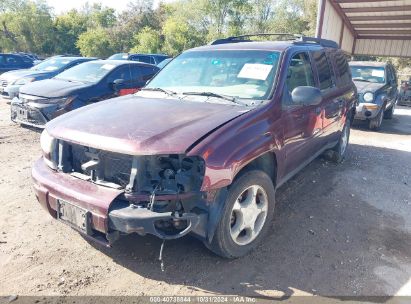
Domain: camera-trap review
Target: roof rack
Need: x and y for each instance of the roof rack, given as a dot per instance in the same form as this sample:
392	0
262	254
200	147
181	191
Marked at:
295	38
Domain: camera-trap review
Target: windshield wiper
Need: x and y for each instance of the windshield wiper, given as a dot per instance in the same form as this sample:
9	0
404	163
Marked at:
168	92
211	94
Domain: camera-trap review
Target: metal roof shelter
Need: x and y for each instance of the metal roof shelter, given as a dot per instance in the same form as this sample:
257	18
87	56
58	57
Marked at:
367	27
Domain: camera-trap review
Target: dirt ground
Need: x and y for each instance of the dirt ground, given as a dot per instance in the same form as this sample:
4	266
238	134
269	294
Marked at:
339	230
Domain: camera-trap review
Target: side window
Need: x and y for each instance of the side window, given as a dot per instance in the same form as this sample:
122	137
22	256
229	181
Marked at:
2	59
342	68
145	59
299	73
120	73
11	60
324	70
148	73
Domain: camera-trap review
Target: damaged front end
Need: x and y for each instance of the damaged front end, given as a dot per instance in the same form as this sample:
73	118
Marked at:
158	194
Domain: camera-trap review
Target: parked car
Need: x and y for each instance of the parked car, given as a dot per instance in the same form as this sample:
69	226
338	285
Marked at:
10	62
10	82
405	93
86	83
377	88
147	58
202	148
163	63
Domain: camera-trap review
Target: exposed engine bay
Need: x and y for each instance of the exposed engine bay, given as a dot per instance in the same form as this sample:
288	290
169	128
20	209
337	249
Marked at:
162	191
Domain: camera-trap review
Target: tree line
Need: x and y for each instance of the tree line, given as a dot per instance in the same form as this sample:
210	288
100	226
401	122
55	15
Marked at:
99	31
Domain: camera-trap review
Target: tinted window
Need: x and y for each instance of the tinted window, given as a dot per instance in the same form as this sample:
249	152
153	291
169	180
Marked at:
122	72
343	68
2	59
145	59
13	60
148	72
324	70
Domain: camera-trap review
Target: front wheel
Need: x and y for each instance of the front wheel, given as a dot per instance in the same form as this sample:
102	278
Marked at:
375	123
388	114
247	214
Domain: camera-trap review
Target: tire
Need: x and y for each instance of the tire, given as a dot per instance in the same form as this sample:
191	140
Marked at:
337	154
388	114
230	239
375	123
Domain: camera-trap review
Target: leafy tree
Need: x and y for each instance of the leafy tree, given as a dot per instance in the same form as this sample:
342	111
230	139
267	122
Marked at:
68	28
178	36
95	43
147	41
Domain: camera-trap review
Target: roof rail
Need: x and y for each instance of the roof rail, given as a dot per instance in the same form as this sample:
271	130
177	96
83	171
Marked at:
295	38
320	41
243	38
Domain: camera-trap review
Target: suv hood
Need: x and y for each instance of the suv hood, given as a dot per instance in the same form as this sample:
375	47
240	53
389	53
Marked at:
142	126
363	86
51	88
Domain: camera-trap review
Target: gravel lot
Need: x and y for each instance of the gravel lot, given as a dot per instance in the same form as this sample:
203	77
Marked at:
339	230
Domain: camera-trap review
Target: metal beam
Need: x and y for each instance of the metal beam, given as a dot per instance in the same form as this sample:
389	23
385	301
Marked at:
379	37
379	18
343	16
384	32
320	18
382	25
361	1
399	8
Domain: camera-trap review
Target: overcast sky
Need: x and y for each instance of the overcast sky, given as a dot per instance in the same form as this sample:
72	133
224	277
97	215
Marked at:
65	5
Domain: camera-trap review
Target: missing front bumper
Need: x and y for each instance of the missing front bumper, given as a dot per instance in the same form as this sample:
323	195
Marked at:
130	219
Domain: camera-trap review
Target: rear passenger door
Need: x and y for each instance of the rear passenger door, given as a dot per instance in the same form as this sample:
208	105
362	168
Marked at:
333	99
302	124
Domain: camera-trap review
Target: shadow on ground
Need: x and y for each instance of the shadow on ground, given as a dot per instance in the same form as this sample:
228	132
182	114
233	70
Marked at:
328	238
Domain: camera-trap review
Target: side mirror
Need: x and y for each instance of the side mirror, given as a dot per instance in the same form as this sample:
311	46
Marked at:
306	95
117	84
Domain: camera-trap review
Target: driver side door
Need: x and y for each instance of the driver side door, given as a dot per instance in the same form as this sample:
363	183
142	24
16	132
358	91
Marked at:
302	124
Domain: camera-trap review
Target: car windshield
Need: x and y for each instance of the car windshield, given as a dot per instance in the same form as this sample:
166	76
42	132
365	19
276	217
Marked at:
89	72
368	74
244	74
119	56
52	64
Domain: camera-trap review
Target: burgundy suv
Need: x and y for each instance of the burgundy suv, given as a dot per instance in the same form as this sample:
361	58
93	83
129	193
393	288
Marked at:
203	147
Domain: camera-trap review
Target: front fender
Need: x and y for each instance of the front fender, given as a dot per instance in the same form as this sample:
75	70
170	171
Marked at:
230	148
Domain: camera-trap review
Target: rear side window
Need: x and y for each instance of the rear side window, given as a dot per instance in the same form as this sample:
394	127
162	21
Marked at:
342	68
324	70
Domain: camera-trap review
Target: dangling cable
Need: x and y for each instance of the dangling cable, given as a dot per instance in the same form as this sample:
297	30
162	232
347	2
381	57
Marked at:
160	257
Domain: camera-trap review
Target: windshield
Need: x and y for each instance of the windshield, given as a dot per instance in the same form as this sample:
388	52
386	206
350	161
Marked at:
52	64
119	56
235	73
89	72
368	74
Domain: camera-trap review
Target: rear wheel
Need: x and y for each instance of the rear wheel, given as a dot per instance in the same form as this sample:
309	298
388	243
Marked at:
375	123
337	153
247	214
